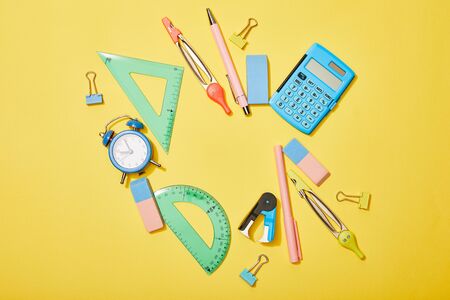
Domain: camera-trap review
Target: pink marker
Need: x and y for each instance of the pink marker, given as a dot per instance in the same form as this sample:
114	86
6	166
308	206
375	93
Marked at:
232	76
290	225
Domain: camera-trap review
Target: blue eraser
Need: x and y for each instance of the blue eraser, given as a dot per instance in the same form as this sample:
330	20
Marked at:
257	79
295	151
141	190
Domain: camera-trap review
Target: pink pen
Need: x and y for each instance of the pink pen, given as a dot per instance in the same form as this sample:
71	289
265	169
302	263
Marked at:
290	225
235	83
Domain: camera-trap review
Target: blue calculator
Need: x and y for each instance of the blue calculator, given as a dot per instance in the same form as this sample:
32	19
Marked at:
312	89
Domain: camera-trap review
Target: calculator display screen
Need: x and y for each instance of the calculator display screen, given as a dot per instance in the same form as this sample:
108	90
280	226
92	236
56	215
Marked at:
323	74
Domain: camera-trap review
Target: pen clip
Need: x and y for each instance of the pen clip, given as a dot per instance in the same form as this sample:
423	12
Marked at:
231	88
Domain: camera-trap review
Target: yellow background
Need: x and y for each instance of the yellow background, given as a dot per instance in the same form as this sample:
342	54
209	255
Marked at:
69	230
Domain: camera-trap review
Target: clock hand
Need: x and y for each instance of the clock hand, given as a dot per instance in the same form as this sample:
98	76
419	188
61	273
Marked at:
129	149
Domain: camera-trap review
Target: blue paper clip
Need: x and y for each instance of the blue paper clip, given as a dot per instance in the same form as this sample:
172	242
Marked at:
93	98
247	274
266	206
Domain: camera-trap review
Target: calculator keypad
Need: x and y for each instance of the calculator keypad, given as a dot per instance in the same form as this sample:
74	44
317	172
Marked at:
288	110
280	104
302	76
304	101
323	101
306	88
310	82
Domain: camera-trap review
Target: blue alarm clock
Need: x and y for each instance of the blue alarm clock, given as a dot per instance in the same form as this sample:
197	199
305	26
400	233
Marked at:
312	89
130	151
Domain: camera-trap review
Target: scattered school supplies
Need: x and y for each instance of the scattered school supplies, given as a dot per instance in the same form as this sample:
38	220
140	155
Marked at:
146	204
233	78
290	225
239	38
257	79
250	277
266	206
129	151
310	166
363	199
209	258
95	98
312	89
161	124
344	236
213	89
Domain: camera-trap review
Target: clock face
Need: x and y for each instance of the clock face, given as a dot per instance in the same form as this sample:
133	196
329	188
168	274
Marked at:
130	151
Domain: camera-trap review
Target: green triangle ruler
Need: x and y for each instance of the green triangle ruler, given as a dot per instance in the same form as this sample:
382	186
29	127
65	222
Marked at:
161	124
209	258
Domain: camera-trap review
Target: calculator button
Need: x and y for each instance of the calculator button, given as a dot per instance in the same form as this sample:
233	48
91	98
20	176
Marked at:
302	94
305	124
284	98
288	110
309	118
297	99
280	104
298	82
289	92
315	113
302	112
310	100
297	118
319	89
323	101
306	106
293	105
310	82
315	95
302	76
328	96
306	88
318	107
293	87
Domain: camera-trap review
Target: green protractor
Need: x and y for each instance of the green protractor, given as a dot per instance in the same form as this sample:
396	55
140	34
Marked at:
209	258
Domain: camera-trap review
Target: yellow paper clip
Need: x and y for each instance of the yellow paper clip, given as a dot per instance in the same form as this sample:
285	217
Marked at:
239	39
363	199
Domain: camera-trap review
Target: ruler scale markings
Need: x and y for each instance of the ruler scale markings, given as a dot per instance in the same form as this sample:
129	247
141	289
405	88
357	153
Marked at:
161	125
207	257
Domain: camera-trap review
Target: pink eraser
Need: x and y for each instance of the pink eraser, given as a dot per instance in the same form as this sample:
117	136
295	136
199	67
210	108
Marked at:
146	204
150	214
309	165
